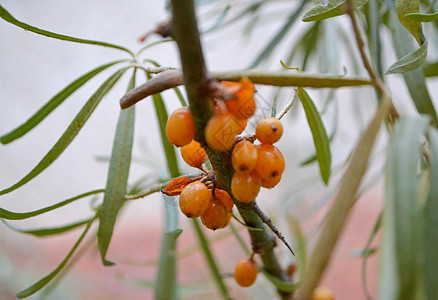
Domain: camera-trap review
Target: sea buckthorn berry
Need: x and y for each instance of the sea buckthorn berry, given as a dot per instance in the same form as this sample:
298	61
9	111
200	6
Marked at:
227	222
245	272
270	183
270	161
321	293
221	131
269	130
180	129
194	199
193	154
242	125
225	198
244	157
216	215
245	186
244	106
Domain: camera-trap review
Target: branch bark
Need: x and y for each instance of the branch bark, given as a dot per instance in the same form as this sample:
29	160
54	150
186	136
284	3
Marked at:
197	83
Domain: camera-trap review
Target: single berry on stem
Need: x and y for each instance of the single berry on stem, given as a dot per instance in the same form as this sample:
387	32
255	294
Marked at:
244	106
193	154
221	131
216	215
245	186
225	198
194	199
322	293
180	129
245	272
269	130
270	162
244	156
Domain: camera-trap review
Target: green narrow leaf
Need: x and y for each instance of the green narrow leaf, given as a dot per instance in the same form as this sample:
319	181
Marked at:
165	283
320	138
71	132
409	62
279	36
53	103
281	285
367	252
9	215
47	231
44	281
218	21
203	241
404	7
5	15
402	218
117	180
415	80
430	69
431	222
180	96
301	247
239	239
160	110
332	9
422	17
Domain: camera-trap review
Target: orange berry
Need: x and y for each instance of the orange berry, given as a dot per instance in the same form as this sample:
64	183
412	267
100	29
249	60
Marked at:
269	130
245	186
227	222
221	131
321	293
194	199
244	106
193	154
270	161
242	125
270	183
180	129
216	215
225	198
244	157
245	272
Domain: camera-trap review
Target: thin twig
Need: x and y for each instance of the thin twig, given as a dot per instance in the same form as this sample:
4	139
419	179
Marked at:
147	192
289	105
271	225
376	80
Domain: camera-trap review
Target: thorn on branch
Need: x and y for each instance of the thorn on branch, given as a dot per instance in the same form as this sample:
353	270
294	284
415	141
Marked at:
271	226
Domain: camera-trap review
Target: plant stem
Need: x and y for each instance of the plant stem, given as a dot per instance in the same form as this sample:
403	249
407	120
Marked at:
186	35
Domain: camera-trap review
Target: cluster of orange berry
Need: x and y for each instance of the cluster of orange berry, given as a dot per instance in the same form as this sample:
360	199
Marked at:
254	166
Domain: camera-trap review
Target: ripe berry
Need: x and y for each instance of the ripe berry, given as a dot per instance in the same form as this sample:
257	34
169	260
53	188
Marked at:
270	183
180	129
225	198
194	199
221	131
270	161
245	272
269	130
244	106
216	215
245	186
321	293
244	157
193	154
